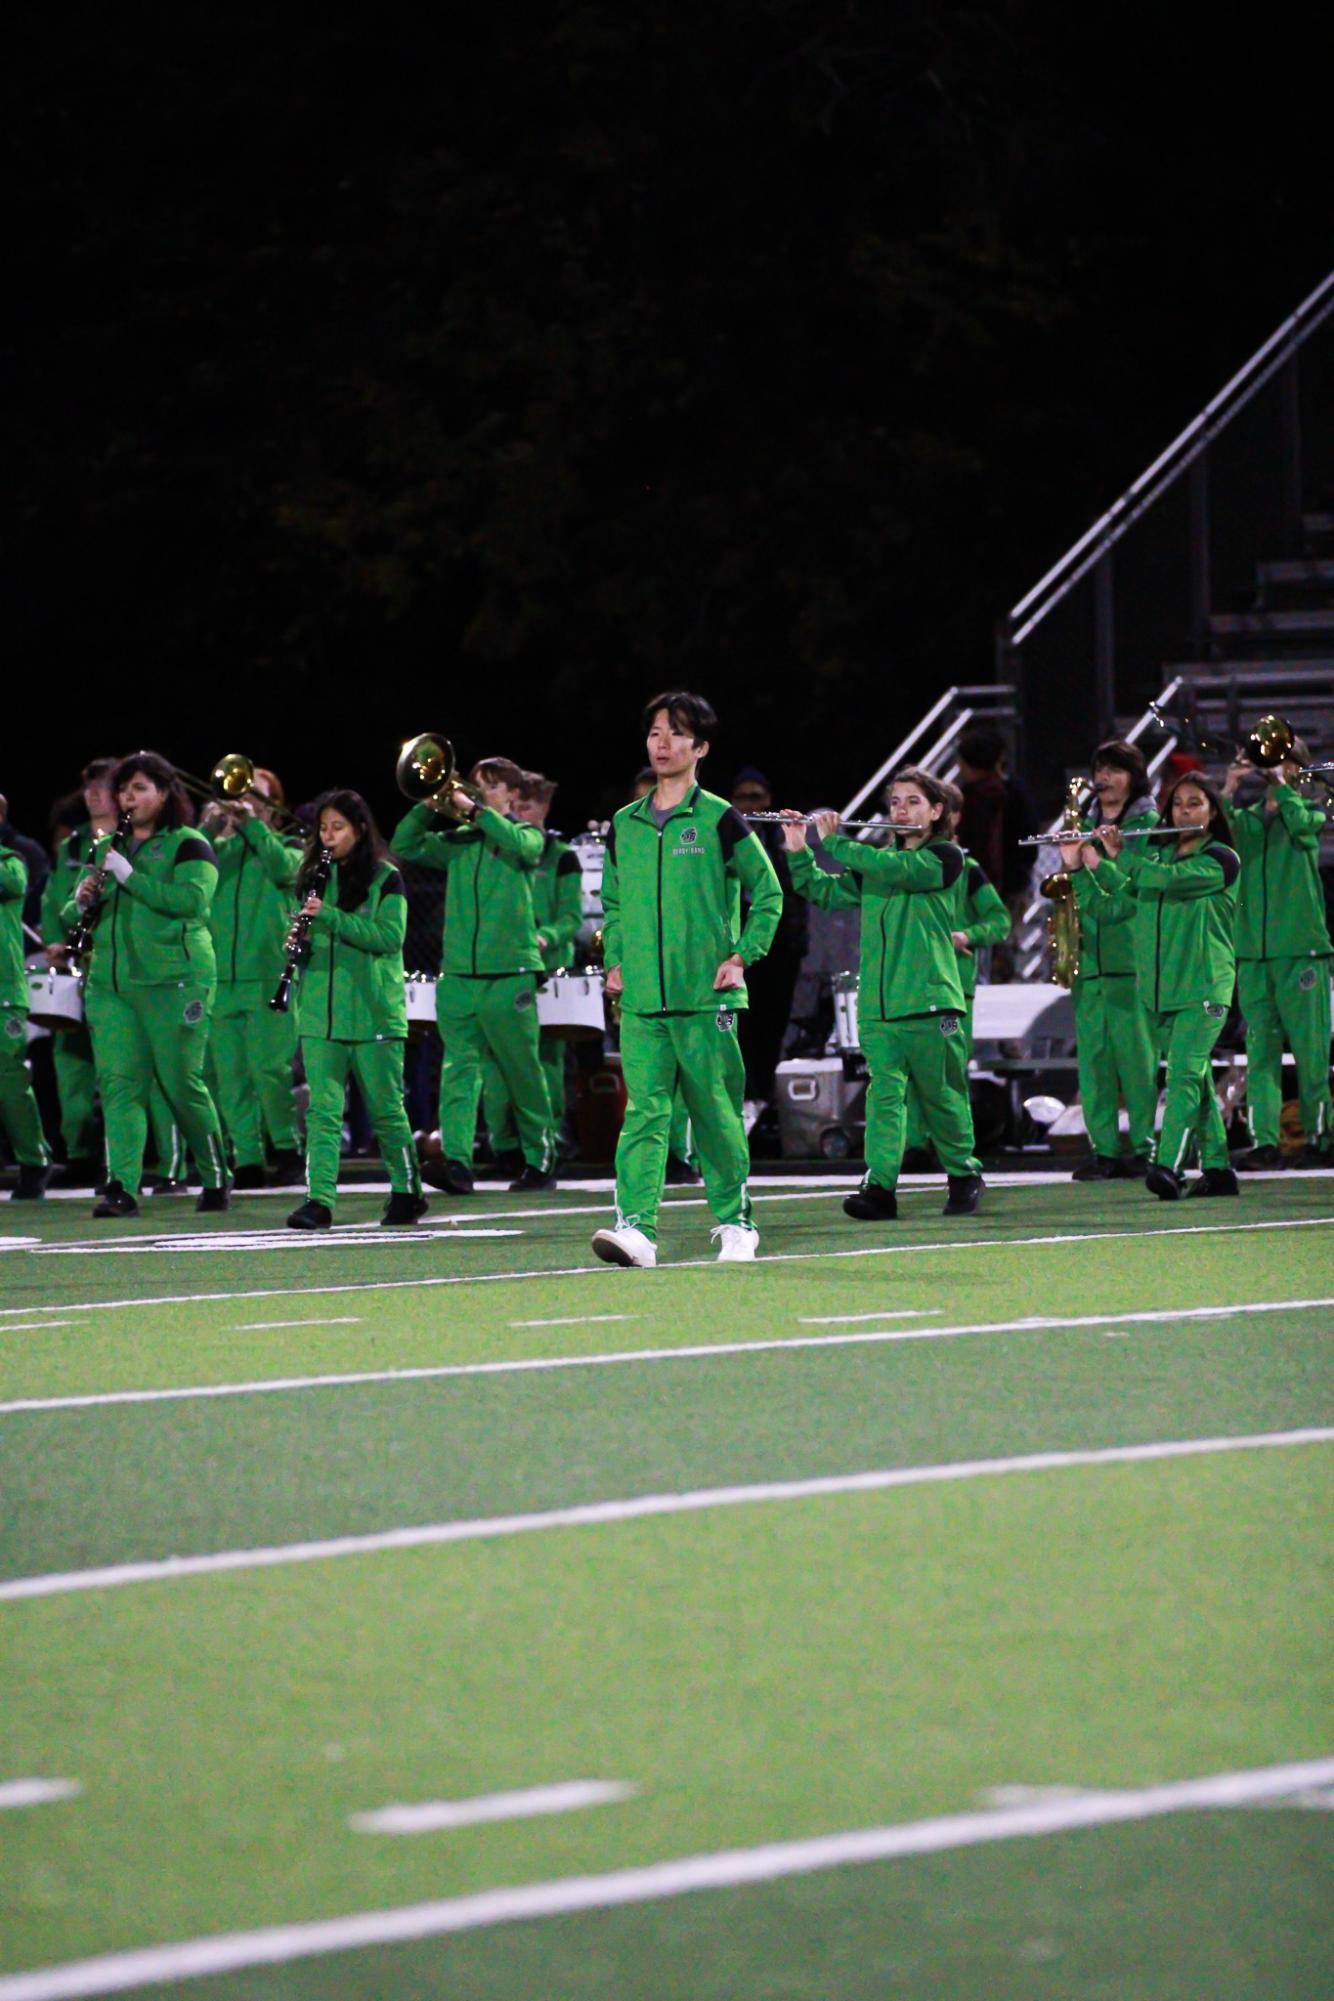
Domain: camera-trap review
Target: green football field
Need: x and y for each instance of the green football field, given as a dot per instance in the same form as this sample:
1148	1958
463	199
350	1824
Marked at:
937	1609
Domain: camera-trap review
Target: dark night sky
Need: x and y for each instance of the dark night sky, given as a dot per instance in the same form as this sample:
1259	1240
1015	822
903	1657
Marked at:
370	384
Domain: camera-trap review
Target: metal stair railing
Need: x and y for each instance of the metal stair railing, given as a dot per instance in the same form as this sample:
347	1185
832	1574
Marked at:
936	736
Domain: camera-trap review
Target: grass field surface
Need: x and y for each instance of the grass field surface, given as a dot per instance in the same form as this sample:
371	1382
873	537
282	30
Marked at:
936	1609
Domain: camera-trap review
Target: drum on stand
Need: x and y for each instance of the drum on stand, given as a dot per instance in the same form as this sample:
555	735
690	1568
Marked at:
419	994
570	1007
590	850
846	1035
55	1001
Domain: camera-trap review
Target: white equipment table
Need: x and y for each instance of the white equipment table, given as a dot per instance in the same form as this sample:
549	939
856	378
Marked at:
1023	1011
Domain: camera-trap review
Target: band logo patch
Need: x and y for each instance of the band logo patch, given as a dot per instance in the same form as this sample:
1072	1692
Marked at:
726	1020
689	836
1215	1010
194	1011
524	998
949	1024
1307	978
14	1025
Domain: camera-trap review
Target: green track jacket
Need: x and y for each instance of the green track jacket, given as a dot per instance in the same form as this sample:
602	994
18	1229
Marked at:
1183	915
909	901
980	913
254	907
73	856
491	863
351	987
1106	942
558	902
671	901
1281	906
13	889
152	931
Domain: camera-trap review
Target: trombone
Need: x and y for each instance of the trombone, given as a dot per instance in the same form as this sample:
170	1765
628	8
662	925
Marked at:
233	778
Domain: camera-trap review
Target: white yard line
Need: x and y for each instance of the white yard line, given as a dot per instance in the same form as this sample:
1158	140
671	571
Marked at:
577	1320
266	1240
602	1514
33	1326
726	1869
36	1792
271	1326
622	1357
846	1319
434	1816
992	1245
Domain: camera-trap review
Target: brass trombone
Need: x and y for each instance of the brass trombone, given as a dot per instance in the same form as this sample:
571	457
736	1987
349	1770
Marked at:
233	778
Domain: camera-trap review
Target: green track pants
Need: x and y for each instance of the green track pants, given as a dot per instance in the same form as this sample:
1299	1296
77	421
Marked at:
1286	998
18	1106
253	1048
495	1017
155	1034
929	1053
76	1086
497	1109
1117	1061
1185	1039
699	1051
378	1069
915	1126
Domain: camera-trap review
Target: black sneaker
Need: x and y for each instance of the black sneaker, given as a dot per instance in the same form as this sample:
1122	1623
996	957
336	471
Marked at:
450	1176
508	1161
31	1185
918	1160
213	1200
165	1184
680	1174
311	1216
1097	1168
1132	1166
250	1176
115	1201
1215	1181
965	1195
872	1204
1257	1158
288	1168
400	1209
532	1182
1310	1157
1161	1181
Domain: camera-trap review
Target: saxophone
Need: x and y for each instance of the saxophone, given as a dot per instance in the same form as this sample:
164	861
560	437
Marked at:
1059	888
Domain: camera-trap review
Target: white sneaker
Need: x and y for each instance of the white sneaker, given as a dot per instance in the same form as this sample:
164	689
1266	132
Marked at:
739	1244
625	1247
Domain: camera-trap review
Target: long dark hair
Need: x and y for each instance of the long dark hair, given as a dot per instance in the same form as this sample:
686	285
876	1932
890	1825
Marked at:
1219	828
176	809
354	874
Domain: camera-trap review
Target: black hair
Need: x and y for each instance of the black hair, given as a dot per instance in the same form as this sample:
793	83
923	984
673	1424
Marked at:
982	748
96	768
690	714
1118	755
1219	826
177	810
354	874
934	788
536	785
503	769
69	812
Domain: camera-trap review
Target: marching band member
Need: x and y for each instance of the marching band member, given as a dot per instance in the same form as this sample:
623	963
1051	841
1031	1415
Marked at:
1113	1045
486	996
677	952
152	979
1283	960
72	1053
18	1105
983	920
1182	906
252	1046
682	1171
558	910
351	1011
910	997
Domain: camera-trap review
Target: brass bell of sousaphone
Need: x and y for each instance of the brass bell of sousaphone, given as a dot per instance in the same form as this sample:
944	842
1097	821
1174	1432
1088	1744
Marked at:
427	773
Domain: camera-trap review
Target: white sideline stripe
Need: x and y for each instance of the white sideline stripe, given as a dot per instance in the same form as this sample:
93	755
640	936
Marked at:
846	1319
34	1326
261	1240
698	1352
269	1326
430	1816
602	1271
36	1792
725	1869
602	1514
577	1320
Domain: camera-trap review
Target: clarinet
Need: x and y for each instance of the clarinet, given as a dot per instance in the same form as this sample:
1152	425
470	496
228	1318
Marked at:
298	938
81	937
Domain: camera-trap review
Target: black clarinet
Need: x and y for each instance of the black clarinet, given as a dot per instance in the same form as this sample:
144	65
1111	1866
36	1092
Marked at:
81	937
298	938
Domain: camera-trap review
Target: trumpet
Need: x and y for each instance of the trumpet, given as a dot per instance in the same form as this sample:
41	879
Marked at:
81	937
427	773
298	937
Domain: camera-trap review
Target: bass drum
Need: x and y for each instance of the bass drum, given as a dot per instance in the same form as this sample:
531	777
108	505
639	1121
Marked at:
570	1007
55	1001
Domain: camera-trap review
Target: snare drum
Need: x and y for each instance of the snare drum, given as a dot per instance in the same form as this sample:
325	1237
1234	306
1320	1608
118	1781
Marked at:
570	1008
419	993
591	852
55	1001
845	1012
